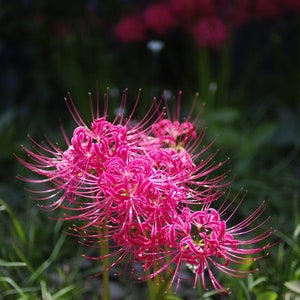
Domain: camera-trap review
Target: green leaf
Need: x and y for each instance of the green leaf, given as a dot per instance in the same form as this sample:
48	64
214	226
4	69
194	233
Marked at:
22	256
45	292
4	263
55	253
293	286
17	225
18	289
253	283
62	292
267	296
296	232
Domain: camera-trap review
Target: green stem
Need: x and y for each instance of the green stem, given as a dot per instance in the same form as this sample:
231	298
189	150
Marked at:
154	286
151	289
297	63
158	287
224	75
205	73
105	262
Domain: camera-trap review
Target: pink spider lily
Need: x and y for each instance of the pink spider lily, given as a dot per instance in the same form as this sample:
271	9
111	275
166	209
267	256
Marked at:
204	242
82	169
134	185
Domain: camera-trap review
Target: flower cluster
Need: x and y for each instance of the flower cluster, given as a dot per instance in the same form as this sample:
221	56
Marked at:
146	191
209	22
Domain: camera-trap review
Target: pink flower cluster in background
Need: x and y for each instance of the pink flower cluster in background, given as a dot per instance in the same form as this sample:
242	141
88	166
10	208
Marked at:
148	189
209	22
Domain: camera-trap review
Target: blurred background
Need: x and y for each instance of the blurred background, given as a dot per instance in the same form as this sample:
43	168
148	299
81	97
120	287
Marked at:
241	56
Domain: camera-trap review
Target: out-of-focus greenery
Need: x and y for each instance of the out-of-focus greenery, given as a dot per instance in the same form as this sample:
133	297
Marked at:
252	97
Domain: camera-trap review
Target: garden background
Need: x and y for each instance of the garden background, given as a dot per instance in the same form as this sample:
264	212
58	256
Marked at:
242	57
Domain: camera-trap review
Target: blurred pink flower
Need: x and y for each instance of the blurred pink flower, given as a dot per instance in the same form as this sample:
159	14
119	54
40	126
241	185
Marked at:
130	29
159	18
292	4
191	10
236	12
268	8
210	32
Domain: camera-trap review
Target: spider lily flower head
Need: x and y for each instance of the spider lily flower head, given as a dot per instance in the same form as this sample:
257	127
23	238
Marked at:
125	171
90	146
204	242
210	32
84	168
134	185
191	10
159	18
130	29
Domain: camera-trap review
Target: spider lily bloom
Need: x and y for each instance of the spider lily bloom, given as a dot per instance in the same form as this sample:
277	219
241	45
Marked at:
130	29
202	241
159	18
121	171
189	11
85	170
133	186
71	172
210	32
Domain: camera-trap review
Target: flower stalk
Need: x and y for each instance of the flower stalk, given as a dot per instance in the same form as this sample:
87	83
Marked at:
105	263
